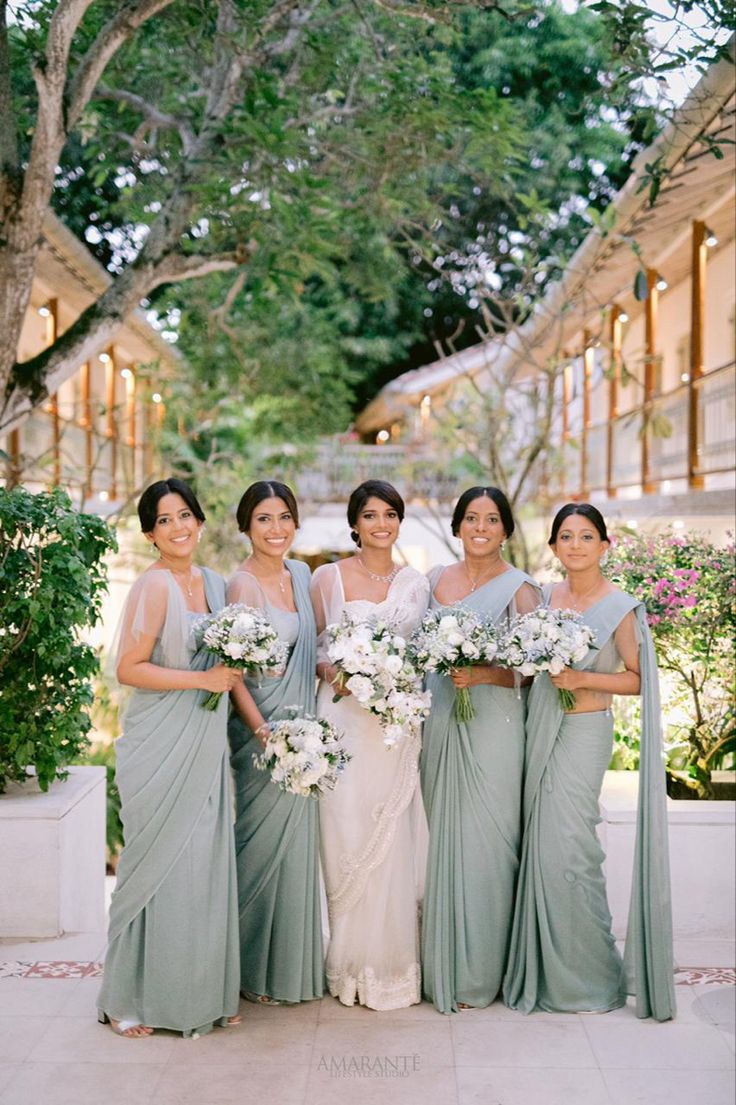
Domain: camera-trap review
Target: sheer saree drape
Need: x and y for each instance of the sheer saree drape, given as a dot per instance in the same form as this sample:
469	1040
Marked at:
277	834
563	956
471	775
172	959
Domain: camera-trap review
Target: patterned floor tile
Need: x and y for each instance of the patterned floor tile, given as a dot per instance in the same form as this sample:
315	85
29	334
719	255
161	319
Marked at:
51	968
699	976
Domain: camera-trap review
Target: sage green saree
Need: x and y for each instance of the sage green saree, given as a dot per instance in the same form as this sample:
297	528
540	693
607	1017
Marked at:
172	958
563	956
277	834
471	775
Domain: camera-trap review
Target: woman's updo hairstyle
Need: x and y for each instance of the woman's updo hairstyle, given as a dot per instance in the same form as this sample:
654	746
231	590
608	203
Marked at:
256	493
495	495
372	489
152	496
586	510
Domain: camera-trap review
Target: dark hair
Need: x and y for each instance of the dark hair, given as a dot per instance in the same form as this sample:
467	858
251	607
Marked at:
256	493
372	489
587	510
493	493
152	496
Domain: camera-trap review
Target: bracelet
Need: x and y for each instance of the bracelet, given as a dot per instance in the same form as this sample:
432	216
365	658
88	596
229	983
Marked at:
263	725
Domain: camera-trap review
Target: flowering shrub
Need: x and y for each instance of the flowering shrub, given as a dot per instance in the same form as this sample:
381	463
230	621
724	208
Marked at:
52	580
688	587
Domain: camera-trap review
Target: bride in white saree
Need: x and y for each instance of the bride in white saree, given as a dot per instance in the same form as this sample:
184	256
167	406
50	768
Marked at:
373	833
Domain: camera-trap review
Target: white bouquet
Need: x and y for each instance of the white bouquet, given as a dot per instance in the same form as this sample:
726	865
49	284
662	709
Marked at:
305	755
547	640
374	665
457	638
241	637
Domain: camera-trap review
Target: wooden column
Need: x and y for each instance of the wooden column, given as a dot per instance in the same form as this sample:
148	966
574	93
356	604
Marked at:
85	422
614	382
588	362
52	332
131	439
13	467
651	313
697	352
566	390
130	390
147	411
111	432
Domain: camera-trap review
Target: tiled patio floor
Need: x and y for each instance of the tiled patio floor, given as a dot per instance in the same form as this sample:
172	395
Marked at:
53	1052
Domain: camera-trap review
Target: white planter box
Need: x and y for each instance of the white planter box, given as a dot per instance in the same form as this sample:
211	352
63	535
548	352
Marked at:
701	836
52	856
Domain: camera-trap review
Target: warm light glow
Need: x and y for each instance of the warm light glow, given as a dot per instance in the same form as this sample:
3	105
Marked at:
104	496
104	357
662	284
126	373
382	437
156	398
623	317
685	377
44	312
632	523
711	240
678	524
427	401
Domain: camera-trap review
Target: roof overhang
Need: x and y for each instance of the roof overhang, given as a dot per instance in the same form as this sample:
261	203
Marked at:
697	186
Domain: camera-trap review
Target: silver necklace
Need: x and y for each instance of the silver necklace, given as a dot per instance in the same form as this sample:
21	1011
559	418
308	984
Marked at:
281	581
575	603
475	582
381	579
186	587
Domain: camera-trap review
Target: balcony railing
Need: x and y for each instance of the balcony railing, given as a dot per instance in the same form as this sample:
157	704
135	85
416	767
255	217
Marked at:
667	436
87	461
717	418
414	470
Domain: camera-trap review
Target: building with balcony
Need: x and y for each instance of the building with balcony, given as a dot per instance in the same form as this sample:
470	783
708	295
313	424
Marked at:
639	332
96	436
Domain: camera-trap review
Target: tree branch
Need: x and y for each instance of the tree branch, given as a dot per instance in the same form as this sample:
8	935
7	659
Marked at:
154	117
187	266
8	122
438	15
131	15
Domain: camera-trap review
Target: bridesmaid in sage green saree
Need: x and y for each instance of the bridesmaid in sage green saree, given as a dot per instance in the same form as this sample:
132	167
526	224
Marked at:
471	774
276	834
563	956
172	957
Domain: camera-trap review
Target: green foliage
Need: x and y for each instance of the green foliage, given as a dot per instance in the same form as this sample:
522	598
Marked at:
52	579
363	179
102	754
689	590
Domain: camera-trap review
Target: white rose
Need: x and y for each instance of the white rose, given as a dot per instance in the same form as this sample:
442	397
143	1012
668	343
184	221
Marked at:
243	624
361	687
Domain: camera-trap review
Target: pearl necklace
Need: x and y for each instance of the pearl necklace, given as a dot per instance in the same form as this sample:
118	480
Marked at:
380	579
